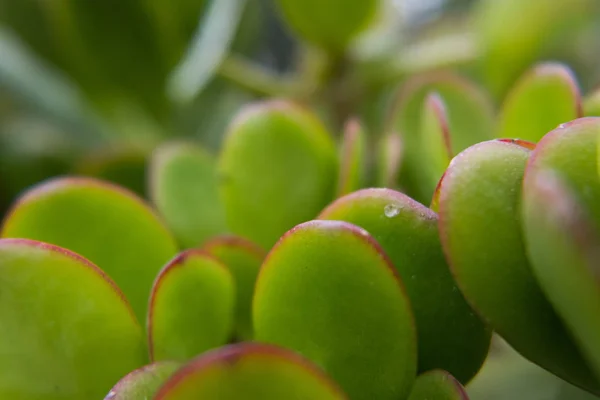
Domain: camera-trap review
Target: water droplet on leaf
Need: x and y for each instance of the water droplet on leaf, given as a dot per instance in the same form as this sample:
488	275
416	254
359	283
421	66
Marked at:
391	210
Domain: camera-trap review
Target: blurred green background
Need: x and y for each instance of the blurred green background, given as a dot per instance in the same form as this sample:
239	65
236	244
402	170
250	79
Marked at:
91	87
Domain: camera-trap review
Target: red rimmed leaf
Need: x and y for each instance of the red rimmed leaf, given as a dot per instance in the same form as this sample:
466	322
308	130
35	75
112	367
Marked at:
480	228
544	97
450	335
389	160
144	382
438	385
243	258
104	223
191	307
250	371
327	287
352	158
66	330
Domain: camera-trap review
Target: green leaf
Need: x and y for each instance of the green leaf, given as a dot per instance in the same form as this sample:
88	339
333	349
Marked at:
66	332
208	49
191	307
104	223
326	288
278	168
450	335
480	229
543	98
353	155
390	152
591	104
437	385
243	258
564	248
143	382
184	187
249	371
320	23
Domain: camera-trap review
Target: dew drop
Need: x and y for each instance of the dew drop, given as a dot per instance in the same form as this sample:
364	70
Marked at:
562	126
391	210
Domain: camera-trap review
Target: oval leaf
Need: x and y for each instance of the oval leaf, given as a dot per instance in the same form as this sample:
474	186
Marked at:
450	336
437	385
353	154
543	98
143	382
327	287
249	371
243	259
66	331
480	228
278	169
184	187
389	160
591	104
191	307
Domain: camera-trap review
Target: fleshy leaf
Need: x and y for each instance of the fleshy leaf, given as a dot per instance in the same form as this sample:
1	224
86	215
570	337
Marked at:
450	335
468	110
291	147
105	223
564	248
191	307
437	385
144	382
543	98
319	22
327	287
480	229
67	332
353	158
243	259
591	104
184	187
389	160
249	371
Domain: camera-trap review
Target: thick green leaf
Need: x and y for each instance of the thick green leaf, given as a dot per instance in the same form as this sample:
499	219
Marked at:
328	291
546	96
143	382
470	119
250	371
278	169
353	155
105	223
437	385
191	307
389	160
591	104
450	335
564	248
320	22
243	259
66	330
480	228
184	187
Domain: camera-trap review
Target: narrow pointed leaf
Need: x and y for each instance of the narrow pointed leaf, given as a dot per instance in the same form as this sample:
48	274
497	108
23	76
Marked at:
327	287
564	248
389	160
278	169
450	335
105	223
249	371
243	259
480	228
353	159
191	307
144	382
544	97
184	187
67	332
437	385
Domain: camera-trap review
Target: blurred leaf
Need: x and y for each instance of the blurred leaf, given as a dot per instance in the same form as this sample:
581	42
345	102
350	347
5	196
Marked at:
191	307
243	259
249	371
480	229
103	222
450	335
546	96
327	287
591	104
389	159
143	382
291	147
67	331
438	385
208	49
352	158
184	188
